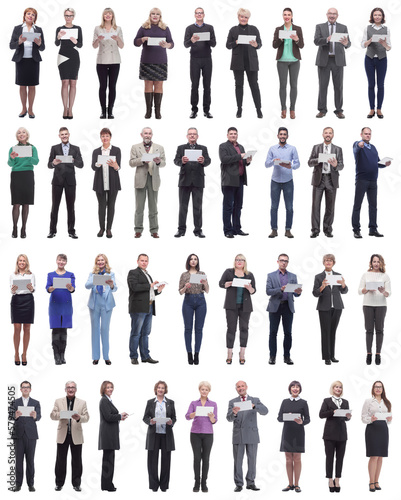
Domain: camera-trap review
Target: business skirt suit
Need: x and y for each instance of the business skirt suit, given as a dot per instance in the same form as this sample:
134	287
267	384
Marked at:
101	304
376	433
26	68
22	303
293	435
68	56
334	435
109	440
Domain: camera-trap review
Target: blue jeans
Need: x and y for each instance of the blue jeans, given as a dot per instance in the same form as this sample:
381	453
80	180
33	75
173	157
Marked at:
194	304
370	188
375	67
232	206
141	325
286	315
275	191
100	323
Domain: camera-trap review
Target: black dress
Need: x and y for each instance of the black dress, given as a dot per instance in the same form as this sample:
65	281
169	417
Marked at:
68	57
293	436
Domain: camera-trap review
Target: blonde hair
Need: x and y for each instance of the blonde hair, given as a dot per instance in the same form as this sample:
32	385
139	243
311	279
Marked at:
113	21
27	269
241	256
147	24
244	12
96	268
329	256
206	384
336	382
27	133
69	10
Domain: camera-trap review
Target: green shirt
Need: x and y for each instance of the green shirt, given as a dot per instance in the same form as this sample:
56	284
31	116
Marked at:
22	164
288	56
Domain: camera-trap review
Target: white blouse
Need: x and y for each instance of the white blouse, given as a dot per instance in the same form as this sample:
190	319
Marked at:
25	276
372	406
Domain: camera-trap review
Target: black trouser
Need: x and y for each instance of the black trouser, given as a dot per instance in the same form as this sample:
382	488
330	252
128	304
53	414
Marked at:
328	326
253	84
197	66
61	462
337	448
374	320
153	464
107	72
201	446
59	340
233	315
57	193
106	199
184	193
25	447
106	482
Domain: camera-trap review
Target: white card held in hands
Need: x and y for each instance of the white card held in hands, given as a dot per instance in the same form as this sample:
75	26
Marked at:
148	156
244	405
160	284
203	411
61	282
22	284
64	158
240	282
23	151
67	414
373	285
26	410
196	278
382	416
245	39
155	41
100	279
336	37
203	36
285	34
384	160
325	157
342	412
30	35
250	154
332	279
70	33
291	287
290	417
103	159
193	154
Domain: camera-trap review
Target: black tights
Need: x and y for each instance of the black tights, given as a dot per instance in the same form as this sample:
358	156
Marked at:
25	212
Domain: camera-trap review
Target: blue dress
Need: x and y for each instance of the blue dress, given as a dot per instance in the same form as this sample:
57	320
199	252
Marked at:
60	303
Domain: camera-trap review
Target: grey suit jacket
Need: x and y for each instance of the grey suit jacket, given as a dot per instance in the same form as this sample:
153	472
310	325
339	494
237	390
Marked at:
321	35
324	302
317	170
245	430
273	288
141	173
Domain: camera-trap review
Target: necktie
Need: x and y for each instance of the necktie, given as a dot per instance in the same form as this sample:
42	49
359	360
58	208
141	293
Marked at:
325	164
331	50
243	398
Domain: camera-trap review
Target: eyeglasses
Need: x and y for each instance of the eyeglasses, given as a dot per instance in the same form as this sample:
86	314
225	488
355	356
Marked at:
239	260
378	387
199	13
68	15
282	260
25	387
71	388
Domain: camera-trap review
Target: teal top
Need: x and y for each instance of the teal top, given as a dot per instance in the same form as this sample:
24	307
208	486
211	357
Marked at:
288	56
22	164
240	291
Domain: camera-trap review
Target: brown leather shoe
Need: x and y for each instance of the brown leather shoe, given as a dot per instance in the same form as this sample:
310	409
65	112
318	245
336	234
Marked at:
340	115
320	114
283	113
292	114
138	235
288	233
273	234
154	235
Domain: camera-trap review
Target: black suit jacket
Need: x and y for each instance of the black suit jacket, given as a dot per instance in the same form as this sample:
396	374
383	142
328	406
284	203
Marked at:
231	292
230	164
139	292
109	428
192	173
324	302
114	177
149	414
317	167
64	173
335	428
26	425
19	49
321	34
237	58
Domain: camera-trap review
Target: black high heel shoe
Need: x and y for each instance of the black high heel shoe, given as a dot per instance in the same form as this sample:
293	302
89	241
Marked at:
332	489
95	362
23	232
14	234
107	361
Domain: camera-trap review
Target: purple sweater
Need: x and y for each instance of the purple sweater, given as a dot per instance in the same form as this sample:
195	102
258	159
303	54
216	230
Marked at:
153	54
201	425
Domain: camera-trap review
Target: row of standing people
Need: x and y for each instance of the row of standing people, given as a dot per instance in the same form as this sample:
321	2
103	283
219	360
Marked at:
160	416
243	40
239	283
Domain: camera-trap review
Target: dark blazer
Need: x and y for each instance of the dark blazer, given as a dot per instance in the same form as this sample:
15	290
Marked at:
191	173
149	414
335	428
19	49
26	425
324	302
321	35
279	44
317	170
231	292
237	58
109	428
64	173
114	177
273	289
139	289
245	429
230	164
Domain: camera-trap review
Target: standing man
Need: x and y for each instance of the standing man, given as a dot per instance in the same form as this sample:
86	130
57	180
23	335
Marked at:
201	60
64	179
245	435
325	180
147	180
233	178
367	171
142	293
25	435
281	306
191	181
69	435
331	59
285	159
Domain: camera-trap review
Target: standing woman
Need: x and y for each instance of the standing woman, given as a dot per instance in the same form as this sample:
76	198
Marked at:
101	304
194	305
293	436
60	308
376	434
238	305
330	306
375	304
288	57
109	38
159	436
245	59
335	433
22	181
27	59
22	306
202	435
109	429
376	58
68	61
106	182
153	67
